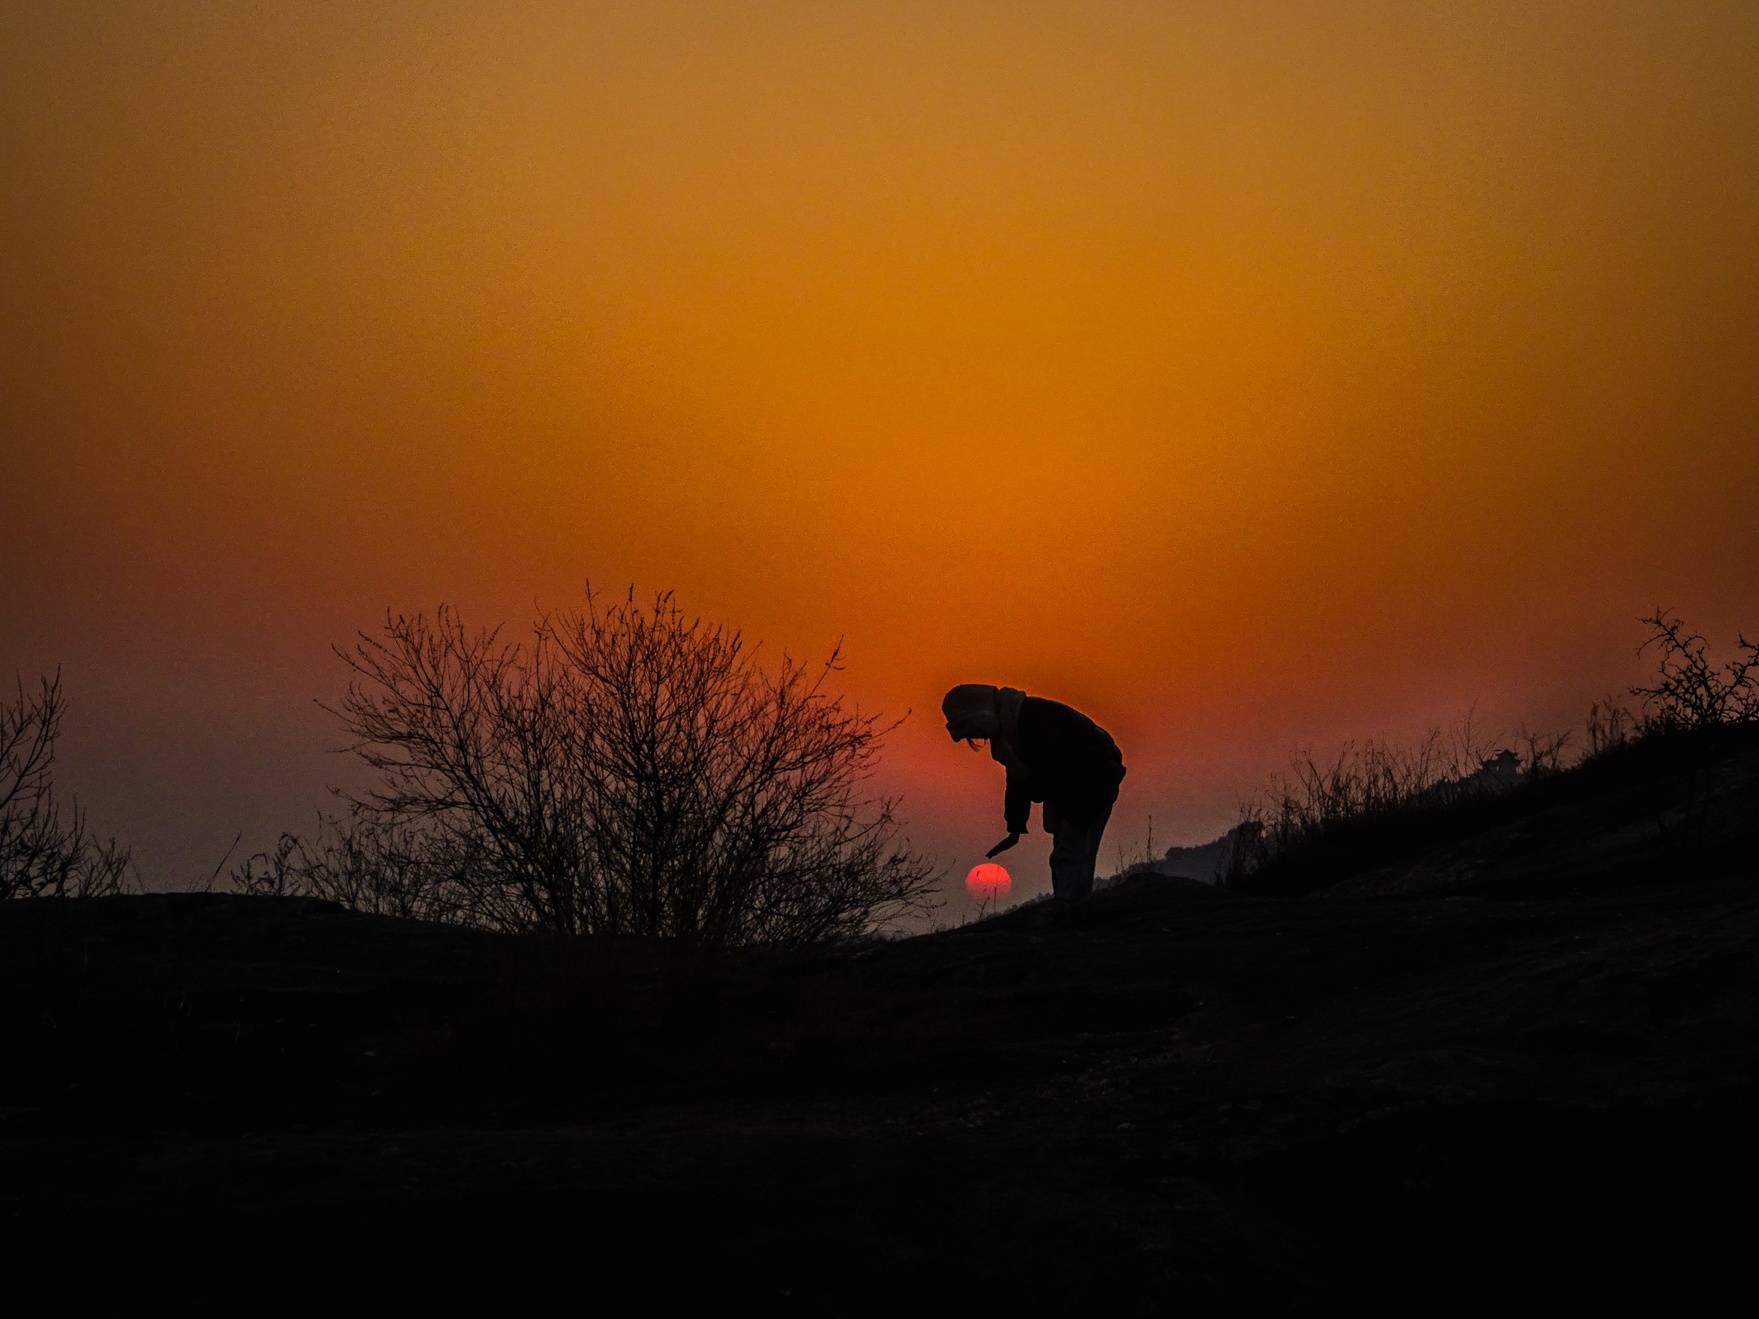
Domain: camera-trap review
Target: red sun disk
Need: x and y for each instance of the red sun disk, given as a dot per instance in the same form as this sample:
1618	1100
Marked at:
988	880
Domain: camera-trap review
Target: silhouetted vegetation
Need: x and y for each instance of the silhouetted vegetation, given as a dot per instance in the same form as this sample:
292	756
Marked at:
628	771
45	851
1190	1090
1374	805
1689	691
1369	804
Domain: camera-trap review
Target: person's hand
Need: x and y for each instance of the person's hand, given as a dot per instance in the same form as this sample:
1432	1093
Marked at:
1004	845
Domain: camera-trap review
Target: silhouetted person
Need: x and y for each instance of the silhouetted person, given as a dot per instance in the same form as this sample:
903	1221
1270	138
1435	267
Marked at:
1054	755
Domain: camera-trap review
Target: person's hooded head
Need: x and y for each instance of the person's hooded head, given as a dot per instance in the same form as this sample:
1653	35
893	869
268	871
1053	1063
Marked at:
977	711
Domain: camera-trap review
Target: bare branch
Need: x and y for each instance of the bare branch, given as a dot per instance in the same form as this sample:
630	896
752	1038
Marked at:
45	852
1689	691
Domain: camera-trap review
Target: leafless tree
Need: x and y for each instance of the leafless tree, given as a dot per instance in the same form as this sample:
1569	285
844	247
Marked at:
627	771
45	852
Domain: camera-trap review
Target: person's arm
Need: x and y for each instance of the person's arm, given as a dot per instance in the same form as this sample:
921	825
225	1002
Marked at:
1017	801
1016	806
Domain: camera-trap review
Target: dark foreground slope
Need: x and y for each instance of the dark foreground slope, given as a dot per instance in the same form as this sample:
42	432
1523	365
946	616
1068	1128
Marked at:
1537	1077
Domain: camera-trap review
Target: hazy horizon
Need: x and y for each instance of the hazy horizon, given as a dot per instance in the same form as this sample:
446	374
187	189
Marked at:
1250	378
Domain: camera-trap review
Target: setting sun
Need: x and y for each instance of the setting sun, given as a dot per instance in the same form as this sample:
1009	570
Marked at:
988	882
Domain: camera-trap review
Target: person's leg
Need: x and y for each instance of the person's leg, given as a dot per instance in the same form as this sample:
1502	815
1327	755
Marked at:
1074	854
1068	844
1090	837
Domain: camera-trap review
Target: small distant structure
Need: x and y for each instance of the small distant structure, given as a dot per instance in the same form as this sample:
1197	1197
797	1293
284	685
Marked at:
1497	773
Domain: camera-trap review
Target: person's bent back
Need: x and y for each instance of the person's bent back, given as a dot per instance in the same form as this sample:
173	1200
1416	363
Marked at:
1053	754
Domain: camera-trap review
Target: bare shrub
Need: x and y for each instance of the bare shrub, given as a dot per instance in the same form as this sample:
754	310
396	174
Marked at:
1610	726
384	871
1141	858
626	771
1376	777
1373	802
45	852
1543	753
1689	691
1373	799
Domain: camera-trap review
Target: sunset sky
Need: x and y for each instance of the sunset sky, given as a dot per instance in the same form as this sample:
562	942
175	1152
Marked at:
1249	375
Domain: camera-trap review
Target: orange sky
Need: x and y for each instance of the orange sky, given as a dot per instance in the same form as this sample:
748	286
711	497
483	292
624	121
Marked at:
1248	375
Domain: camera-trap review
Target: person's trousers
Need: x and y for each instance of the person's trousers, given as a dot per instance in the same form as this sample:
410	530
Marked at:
1074	853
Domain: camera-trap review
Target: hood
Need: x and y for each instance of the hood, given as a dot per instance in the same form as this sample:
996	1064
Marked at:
980	710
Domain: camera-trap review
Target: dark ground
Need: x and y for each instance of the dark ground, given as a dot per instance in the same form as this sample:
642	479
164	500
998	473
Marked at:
1517	1066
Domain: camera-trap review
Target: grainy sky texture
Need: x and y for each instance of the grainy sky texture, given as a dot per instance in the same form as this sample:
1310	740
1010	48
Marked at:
1250	375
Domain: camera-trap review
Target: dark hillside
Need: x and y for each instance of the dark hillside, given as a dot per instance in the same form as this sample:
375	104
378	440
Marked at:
1525	1058
1659	804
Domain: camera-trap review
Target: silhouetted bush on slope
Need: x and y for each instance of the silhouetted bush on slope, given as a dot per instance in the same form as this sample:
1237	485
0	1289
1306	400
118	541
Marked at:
627	771
1689	691
1374	805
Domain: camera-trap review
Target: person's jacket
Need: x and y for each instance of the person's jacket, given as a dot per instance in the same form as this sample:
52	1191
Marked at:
1063	759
